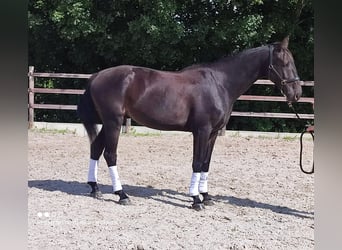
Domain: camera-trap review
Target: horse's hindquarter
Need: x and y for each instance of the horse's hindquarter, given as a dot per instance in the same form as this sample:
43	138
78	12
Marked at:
107	90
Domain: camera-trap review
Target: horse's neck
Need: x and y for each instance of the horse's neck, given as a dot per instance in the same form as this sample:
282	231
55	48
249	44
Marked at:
244	69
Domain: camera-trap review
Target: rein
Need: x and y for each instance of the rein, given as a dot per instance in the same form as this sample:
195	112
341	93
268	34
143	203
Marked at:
301	142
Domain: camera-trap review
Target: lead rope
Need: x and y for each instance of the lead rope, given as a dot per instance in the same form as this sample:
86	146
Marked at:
301	152
301	142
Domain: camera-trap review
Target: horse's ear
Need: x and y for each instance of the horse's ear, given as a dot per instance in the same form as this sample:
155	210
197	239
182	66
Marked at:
285	42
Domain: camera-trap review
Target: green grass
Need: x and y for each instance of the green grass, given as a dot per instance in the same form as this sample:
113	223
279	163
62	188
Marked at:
133	132
146	134
235	134
290	138
54	131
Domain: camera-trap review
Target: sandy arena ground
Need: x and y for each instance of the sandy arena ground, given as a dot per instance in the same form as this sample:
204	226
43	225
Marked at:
263	200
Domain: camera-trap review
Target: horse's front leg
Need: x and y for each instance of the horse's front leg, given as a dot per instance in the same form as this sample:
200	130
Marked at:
203	183
200	148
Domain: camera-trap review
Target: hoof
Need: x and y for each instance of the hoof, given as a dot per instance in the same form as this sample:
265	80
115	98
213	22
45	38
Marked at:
125	201
198	206
96	195
209	202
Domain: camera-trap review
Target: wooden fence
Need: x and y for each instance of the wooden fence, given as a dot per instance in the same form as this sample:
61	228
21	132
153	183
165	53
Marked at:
32	90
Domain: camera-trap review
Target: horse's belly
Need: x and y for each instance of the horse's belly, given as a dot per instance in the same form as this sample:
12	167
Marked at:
159	116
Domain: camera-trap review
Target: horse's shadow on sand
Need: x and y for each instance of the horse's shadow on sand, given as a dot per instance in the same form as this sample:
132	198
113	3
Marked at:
166	196
240	202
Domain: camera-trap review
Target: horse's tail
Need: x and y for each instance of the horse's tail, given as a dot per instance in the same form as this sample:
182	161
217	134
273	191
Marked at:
87	113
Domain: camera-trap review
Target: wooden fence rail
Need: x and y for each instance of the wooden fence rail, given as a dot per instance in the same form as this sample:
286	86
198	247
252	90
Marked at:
32	90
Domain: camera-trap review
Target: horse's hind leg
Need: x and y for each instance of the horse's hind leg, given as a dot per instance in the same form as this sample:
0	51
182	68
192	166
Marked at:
96	149
112	130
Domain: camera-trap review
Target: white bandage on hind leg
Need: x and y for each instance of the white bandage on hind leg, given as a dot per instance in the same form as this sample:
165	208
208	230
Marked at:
195	179
92	172
113	171
203	183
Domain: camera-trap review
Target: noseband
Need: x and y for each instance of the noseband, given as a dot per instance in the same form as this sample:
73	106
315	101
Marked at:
272	68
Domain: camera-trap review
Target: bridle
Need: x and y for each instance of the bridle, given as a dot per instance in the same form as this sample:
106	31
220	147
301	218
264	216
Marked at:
283	81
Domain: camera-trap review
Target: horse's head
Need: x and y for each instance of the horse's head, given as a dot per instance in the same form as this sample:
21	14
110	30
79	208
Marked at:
283	72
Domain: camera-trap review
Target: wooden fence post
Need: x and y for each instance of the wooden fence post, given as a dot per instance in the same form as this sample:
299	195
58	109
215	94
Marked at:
222	131
31	97
128	125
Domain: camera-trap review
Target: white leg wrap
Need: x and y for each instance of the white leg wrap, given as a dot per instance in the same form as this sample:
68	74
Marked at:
203	183
92	172
113	171
195	180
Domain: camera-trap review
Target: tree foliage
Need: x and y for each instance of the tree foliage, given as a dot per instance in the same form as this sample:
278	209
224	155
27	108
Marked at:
84	36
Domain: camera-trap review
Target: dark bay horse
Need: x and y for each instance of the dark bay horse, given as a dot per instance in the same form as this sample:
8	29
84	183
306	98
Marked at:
198	99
